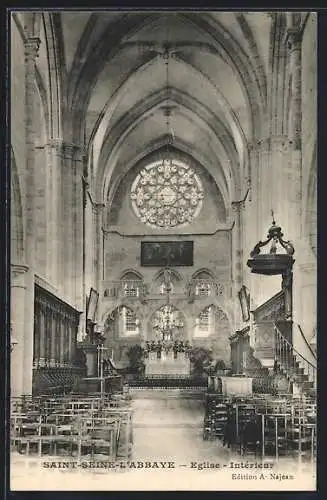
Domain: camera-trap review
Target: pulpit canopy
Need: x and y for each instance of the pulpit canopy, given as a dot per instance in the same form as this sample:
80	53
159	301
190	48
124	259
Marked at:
278	260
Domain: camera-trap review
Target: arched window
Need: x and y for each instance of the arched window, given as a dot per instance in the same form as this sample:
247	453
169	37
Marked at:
203	289
208	321
122	322
204	322
131	289
203	284
159	285
129	324
167	194
131	284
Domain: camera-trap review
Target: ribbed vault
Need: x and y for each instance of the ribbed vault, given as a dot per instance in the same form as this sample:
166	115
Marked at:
113	92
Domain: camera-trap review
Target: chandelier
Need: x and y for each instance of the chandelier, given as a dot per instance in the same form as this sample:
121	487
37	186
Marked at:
166	321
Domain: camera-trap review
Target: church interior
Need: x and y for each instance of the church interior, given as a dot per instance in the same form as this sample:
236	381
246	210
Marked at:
163	235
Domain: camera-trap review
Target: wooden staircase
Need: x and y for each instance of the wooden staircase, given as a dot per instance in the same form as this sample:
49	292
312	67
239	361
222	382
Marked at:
292	365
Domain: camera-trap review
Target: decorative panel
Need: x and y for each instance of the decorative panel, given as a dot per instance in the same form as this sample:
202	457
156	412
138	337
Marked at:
167	253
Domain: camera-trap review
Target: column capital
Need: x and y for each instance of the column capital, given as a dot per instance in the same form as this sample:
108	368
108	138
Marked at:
294	38
74	151
97	207
18	275
19	268
281	141
67	149
238	205
31	46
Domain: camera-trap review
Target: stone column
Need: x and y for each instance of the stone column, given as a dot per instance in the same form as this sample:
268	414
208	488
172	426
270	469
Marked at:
31	46
78	237
254	220
265	184
294	40
17	319
238	207
68	228
57	215
98	254
307	314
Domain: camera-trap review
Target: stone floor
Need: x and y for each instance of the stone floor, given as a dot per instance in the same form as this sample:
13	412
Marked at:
167	427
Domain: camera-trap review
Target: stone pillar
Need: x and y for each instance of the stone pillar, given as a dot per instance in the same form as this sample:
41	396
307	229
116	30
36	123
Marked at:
307	314
254	210
238	207
295	193
294	40
98	254
68	228
17	318
78	278
31	46
265	184
57	215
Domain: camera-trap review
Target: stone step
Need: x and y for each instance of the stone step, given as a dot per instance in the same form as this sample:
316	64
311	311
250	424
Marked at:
156	393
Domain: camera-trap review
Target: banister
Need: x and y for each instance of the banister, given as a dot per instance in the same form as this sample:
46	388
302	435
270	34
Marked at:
293	348
307	343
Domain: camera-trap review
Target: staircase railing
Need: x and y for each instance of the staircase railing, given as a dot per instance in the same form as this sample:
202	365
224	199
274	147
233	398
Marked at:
306	342
289	358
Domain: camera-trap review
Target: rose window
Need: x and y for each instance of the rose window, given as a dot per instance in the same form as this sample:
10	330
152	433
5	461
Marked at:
167	194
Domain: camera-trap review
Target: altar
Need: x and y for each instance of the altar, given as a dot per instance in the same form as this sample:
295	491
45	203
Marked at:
167	365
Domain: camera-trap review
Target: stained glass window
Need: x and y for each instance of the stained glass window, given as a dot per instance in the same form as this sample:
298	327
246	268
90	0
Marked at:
167	194
130	322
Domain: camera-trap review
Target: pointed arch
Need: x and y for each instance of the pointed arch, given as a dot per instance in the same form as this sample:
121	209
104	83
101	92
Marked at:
175	274
131	274
121	322
204	273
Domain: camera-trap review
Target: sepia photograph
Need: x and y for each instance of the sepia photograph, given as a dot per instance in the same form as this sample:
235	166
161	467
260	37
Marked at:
163	239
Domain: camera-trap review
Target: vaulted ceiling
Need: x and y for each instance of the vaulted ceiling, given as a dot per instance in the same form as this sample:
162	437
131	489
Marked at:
117	88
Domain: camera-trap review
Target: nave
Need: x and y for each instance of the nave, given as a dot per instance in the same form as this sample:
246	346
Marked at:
163	248
169	426
167	432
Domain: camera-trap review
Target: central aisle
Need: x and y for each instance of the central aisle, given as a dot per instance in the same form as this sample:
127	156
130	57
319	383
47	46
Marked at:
168	425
